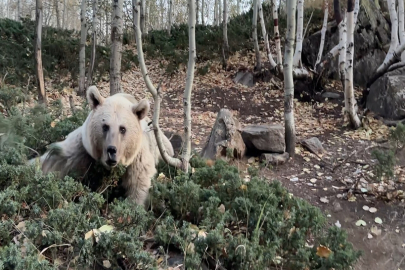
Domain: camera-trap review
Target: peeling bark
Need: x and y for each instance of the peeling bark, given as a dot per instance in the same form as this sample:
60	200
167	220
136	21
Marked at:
288	79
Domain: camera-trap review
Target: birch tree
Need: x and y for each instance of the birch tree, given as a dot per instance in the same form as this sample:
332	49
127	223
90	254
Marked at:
183	161
169	27
277	36
323	31
225	33
116	47
394	31
255	40
300	29
202	12
350	102
38	54
265	37
143	6
82	52
94	43
288	79
401	26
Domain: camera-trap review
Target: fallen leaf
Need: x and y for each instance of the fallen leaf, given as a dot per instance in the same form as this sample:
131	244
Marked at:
375	231
106	228
361	222
324	200
89	234
323	251
369	236
378	220
372	210
106	264
366	208
221	208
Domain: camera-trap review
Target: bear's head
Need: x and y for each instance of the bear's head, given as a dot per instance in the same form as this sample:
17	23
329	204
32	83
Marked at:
113	128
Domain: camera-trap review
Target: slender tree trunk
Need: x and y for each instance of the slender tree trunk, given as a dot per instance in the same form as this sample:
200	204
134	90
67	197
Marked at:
394	30
342	49
265	37
350	102
82	52
216	12
238	7
57	14
255	39
93	47
143	7
107	36
169	27
18	11
116	47
197	12
219	12
225	33
277	36
147	18
38	54
202	12
323	32
288	79
64	14
300	29
401	29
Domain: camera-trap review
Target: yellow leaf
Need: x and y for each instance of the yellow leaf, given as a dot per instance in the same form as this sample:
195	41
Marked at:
53	124
243	187
323	251
89	234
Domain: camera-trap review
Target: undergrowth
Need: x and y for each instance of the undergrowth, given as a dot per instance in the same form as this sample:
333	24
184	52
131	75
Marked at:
210	216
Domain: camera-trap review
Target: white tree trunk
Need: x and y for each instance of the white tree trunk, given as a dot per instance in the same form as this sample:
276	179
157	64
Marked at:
93	47
300	29
82	52
219	12
147	10
288	79
323	33
182	163
394	31
225	31
266	40
18	10
143	8
64	14
215	12
356	10
197	14
342	49
401	29
350	102
238	7
38	54
116	47
255	39
202	12
169	27
277	36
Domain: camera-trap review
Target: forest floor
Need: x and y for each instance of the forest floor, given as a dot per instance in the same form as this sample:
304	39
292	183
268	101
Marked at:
321	181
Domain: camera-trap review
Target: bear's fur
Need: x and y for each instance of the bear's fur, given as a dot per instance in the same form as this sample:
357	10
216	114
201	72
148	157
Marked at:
117	123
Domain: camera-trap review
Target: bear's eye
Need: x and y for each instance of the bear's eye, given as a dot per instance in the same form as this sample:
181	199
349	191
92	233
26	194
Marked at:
105	128
123	130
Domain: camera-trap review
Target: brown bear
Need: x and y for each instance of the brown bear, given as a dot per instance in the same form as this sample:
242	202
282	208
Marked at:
114	132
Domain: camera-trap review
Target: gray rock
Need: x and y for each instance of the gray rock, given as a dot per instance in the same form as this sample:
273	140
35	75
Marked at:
244	78
275	159
225	137
264	138
371	33
330	95
314	145
387	95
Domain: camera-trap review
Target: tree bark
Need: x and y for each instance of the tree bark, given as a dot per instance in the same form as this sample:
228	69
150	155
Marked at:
342	49
225	33
215	12
18	11
38	54
266	40
169	27
94	43
147	9
202	12
57	14
288	79
82	52
64	14
323	32
277	36
143	7
350	102
255	40
238	7
394	31
219	12
300	29
401	29
197	21
116	47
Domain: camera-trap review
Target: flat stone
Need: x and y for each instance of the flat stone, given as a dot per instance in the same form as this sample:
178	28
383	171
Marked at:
330	95
264	138
244	78
314	145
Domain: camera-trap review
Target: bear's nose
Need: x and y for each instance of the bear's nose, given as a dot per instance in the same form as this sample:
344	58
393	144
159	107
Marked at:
112	150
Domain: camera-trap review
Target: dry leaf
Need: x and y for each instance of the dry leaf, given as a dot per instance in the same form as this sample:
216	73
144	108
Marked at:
323	251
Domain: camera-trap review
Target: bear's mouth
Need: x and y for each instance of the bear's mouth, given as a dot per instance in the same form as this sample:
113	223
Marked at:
111	161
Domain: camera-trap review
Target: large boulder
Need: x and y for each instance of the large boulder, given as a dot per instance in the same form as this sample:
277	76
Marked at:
371	34
225	138
387	95
264	138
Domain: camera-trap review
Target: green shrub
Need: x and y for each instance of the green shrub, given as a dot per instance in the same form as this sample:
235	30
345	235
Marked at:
210	213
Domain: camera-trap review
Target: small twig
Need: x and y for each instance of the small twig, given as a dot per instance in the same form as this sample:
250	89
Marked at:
4	79
308	24
54	245
351	155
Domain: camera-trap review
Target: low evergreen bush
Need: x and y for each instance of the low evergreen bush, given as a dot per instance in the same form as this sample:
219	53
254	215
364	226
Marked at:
209	215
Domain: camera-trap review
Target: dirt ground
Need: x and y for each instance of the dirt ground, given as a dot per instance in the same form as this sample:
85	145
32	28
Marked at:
315	178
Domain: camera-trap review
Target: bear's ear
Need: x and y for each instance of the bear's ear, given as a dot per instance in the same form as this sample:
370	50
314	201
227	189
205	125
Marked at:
141	109
93	97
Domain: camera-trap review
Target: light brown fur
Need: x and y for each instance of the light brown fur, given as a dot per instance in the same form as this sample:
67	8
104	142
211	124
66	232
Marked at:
135	147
